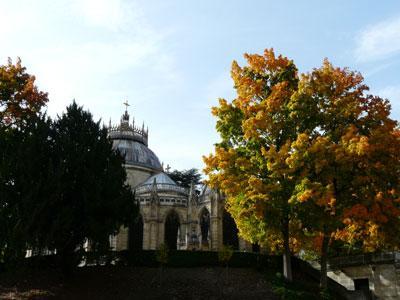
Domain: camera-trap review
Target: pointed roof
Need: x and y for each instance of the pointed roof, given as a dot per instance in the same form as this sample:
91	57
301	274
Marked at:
160	178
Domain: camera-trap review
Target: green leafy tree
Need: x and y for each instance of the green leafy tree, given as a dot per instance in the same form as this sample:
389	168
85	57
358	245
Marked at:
248	166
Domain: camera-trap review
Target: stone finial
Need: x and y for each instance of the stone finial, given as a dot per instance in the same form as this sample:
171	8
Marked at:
191	189
192	194
154	194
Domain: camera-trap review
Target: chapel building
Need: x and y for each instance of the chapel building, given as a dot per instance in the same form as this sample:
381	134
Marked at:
181	218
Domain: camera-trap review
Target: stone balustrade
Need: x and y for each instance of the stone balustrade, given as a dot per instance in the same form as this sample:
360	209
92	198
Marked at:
162	187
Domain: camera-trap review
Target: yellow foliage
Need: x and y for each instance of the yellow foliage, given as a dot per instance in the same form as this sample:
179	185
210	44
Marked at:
315	144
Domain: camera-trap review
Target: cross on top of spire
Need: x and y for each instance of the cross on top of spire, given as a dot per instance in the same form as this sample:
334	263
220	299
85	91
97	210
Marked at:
125	116
126	105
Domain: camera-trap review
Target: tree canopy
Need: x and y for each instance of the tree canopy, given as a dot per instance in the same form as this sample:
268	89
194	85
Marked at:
347	155
92	199
19	96
307	156
184	178
61	183
255	130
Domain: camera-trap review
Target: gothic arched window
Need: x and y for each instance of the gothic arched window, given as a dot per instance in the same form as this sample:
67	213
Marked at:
171	230
204	224
230	231
135	238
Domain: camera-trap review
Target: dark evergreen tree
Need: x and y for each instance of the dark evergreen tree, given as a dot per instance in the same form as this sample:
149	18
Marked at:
60	183
24	156
186	177
91	199
25	180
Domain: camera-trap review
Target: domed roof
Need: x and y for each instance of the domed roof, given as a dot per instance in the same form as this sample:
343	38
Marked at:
132	142
161	178
160	182
136	153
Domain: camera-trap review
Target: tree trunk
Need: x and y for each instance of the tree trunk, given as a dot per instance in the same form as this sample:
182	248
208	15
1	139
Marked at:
287	263
323	284
68	259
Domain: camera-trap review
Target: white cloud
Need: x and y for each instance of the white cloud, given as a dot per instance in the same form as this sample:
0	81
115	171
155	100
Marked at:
87	50
107	13
115	15
379	41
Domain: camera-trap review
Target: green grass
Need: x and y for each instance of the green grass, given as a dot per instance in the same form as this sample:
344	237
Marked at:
302	287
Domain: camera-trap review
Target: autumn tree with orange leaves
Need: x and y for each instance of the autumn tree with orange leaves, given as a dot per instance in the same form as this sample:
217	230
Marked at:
19	96
313	152
347	160
249	163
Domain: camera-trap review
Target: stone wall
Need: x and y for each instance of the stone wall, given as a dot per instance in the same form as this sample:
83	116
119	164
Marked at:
136	175
381	270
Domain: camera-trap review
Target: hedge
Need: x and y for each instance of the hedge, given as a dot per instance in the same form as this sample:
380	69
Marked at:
187	259
147	258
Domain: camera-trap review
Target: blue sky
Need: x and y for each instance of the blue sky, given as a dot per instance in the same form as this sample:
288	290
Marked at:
171	59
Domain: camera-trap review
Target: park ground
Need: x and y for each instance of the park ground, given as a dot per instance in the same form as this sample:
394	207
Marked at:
122	282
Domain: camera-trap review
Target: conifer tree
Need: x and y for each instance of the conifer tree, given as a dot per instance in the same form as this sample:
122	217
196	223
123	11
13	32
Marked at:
91	198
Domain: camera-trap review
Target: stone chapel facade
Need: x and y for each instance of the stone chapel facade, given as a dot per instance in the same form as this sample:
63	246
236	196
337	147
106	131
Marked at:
169	214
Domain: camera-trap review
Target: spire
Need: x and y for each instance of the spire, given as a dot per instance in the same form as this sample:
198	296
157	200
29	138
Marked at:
193	197
191	190
154	195
127	130
154	186
109	124
125	116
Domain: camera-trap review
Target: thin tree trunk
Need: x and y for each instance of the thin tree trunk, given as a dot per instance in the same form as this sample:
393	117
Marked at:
287	262
323	284
160	273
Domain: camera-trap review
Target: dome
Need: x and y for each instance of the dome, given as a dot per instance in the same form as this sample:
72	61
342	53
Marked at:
161	182
161	178
132	143
137	154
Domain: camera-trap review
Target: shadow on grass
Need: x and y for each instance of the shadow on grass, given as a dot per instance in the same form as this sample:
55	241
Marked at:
302	287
